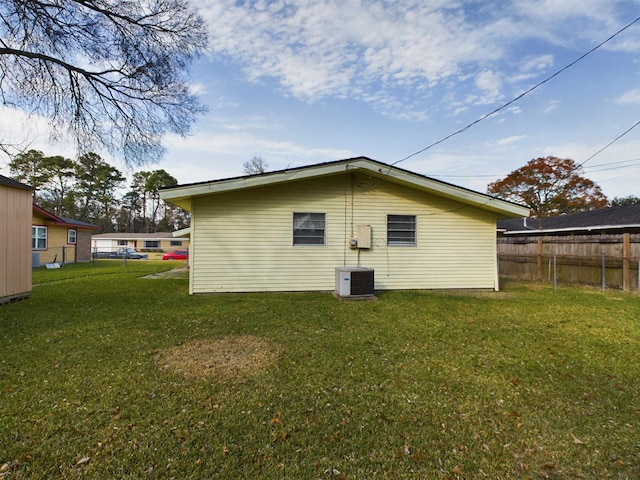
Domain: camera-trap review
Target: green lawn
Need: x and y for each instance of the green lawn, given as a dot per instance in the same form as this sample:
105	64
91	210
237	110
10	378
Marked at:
524	383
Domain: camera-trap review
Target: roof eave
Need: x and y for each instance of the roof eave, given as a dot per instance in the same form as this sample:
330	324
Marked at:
182	195
573	229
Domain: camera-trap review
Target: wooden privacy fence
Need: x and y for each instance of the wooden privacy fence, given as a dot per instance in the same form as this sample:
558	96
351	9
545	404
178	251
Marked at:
608	259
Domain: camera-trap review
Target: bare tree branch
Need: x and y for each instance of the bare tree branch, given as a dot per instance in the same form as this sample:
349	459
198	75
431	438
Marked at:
111	73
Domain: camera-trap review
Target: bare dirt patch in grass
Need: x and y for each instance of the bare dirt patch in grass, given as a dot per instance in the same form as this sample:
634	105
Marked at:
225	357
180	272
477	294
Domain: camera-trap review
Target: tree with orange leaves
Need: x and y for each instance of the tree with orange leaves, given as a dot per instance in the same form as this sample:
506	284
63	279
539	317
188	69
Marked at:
550	186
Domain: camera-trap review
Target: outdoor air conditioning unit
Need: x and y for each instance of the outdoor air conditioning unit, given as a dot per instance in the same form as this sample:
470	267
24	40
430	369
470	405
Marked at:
35	259
354	282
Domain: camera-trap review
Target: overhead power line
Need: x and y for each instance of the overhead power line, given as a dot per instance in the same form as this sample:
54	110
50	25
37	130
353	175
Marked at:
608	144
526	92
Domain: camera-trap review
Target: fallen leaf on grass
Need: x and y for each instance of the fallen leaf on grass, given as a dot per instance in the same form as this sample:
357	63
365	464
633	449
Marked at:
576	440
457	470
83	460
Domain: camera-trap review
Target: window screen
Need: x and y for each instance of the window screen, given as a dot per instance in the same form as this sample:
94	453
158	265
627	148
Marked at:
401	230
309	228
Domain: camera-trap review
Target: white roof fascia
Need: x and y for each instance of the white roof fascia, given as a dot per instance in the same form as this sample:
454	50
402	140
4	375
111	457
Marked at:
455	193
108	236
572	229
181	196
184	232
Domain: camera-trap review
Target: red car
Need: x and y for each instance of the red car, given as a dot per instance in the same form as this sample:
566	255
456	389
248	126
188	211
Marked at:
176	255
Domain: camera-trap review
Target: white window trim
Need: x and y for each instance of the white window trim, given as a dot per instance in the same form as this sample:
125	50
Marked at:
35	237
415	232
75	236
293	230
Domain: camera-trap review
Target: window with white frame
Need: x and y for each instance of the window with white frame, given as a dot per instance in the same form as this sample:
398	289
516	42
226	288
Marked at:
152	244
72	236
401	230
309	228
123	243
38	237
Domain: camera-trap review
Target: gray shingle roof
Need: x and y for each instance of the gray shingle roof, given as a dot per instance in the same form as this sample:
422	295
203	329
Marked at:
13	183
612	218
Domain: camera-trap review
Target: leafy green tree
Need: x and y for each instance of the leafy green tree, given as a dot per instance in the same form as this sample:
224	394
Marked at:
97	183
550	186
59	172
112	73
157	180
27	167
625	201
128	218
139	191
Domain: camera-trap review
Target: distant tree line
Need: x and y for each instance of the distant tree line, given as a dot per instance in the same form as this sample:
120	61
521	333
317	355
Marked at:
90	190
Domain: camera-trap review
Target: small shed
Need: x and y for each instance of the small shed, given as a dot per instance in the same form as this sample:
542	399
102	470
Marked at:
15	233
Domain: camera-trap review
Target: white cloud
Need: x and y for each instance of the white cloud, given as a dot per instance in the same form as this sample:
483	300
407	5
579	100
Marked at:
551	106
341	48
215	153
537	63
632	97
512	139
490	84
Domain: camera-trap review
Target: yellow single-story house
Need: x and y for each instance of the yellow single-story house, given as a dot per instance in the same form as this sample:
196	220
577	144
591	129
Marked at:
158	242
290	230
15	254
57	239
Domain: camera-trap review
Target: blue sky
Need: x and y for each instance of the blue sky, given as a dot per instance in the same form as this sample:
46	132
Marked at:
302	82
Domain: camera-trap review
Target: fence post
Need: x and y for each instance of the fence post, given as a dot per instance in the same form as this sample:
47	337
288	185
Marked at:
555	271
626	270
539	252
603	272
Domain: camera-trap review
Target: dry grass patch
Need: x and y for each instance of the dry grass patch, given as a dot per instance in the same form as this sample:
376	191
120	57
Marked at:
476	294
226	357
180	272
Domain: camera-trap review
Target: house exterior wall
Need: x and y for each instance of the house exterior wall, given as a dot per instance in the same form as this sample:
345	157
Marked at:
55	242
111	245
15	243
83	246
58	249
243	240
165	244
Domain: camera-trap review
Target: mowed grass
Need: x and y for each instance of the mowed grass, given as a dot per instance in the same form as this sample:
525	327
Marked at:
524	383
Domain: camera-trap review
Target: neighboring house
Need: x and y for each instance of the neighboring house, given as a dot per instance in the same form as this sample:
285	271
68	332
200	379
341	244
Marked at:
289	230
15	255
59	239
611	220
160	242
575	247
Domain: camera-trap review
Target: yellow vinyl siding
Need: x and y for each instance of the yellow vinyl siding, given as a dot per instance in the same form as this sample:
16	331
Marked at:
243	240
57	247
15	242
